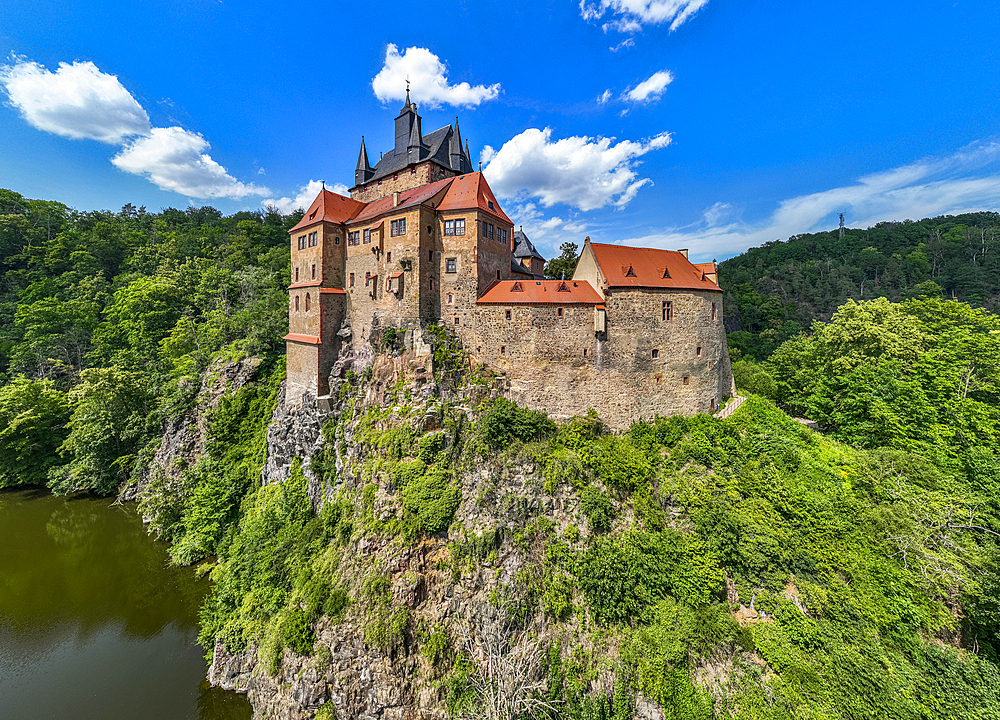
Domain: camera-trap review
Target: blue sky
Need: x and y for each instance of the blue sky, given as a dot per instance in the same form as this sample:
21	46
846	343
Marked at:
710	124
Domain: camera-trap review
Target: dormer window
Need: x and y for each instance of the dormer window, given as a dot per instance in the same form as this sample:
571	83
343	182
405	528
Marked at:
563	287
630	272
489	204
517	287
666	274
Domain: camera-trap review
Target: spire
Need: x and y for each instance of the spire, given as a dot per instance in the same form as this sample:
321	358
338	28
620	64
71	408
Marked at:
468	157
455	150
406	104
415	145
363	172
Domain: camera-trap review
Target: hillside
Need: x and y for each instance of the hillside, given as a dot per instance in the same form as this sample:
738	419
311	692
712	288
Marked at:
427	548
777	290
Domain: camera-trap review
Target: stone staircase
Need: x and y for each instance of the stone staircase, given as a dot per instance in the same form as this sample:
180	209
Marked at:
732	406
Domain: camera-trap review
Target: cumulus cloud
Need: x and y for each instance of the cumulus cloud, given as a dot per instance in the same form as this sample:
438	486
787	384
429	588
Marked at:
966	181
174	159
303	199
428	80
582	172
650	89
80	101
76	101
632	14
547	233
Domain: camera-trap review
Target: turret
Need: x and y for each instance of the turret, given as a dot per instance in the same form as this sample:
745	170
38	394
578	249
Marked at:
415	146
363	172
455	151
404	124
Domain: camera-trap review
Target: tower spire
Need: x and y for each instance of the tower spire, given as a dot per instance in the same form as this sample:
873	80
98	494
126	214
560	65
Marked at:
363	172
455	151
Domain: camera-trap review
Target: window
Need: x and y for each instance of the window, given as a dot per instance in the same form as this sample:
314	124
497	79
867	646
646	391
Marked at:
451	299
388	257
517	287
314	271
432	283
449	227
367	237
430	229
585	352
460	226
302	242
698	352
656	353
296	303
336	241
296	274
498	274
685	380
307	302
456	319
396	176
503	235
631	272
430	255
398	227
354	238
489	204
507	315
413	170
313	239
668	311
450	265
559	312
352	280
711	404
715	313
503	349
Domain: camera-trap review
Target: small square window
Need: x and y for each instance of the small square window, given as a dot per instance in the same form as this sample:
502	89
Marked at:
430	256
585	352
413	170
668	311
451	299
685	380
432	283
451	265
498	274
698	352
456	320
559	312
352	279
336	241
460	226
507	315
503	349
388	257
367	236
656	353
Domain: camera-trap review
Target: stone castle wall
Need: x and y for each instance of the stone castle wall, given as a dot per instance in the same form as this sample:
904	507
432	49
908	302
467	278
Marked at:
407	178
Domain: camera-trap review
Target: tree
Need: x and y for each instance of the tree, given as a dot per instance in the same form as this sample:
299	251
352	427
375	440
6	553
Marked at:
565	264
33	416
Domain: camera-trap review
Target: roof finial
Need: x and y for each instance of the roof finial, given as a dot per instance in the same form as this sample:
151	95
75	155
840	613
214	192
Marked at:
324	184
480	166
407	90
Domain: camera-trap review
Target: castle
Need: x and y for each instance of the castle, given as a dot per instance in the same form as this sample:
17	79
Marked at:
422	240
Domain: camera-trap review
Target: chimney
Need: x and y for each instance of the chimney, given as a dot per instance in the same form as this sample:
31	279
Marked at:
395	203
684	252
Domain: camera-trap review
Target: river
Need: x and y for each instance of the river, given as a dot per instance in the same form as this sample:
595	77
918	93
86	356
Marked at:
95	624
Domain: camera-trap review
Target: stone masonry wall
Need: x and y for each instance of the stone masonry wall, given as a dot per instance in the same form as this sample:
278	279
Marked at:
542	356
407	178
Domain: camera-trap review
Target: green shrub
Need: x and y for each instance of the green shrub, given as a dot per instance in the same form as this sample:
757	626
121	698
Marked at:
433	498
296	632
429	446
435	646
597	506
505	421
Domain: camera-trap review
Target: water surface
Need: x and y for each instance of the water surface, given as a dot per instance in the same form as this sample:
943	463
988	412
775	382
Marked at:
95	624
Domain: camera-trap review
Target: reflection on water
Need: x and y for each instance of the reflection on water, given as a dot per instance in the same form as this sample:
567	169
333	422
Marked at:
94	622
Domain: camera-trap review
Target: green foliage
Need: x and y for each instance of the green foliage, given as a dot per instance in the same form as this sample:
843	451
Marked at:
564	265
106	430
597	506
433	498
33	417
503	422
435	645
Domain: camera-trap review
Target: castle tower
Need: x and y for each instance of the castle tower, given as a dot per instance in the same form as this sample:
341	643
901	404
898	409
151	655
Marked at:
316	299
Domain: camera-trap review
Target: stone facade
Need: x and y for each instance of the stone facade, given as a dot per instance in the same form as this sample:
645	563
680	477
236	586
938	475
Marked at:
634	334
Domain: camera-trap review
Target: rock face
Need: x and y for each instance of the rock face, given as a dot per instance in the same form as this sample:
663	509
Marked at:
185	434
295	431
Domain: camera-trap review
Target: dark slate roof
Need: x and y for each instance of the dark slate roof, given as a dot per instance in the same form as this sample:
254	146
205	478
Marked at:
523	247
436	146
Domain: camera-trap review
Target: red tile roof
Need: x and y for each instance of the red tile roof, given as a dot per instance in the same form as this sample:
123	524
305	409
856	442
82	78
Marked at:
309	339
540	292
646	267
407	198
472	191
707	267
329	207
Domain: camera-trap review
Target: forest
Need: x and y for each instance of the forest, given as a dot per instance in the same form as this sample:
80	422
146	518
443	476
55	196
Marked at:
750	567
776	291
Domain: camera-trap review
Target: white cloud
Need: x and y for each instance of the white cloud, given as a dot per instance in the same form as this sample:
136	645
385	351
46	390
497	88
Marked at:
76	101
581	172
81	102
174	159
547	233
650	89
966	181
428	80
626	43
604	97
632	13
307	193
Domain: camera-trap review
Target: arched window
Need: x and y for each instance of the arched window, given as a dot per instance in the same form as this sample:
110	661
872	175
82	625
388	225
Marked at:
296	303
307	302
